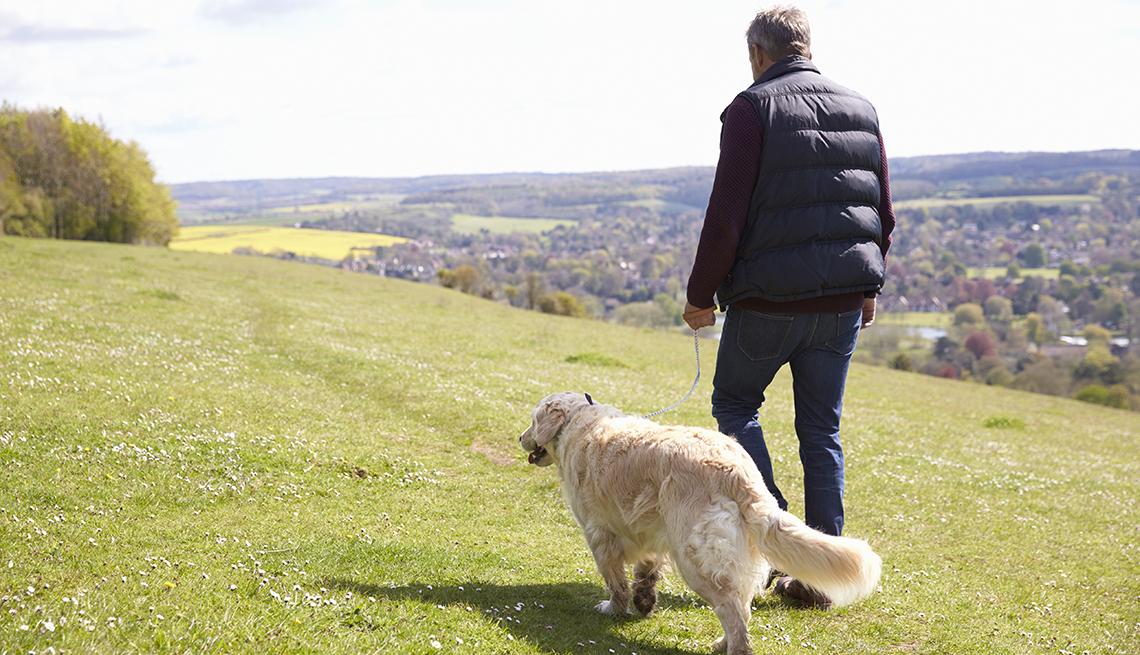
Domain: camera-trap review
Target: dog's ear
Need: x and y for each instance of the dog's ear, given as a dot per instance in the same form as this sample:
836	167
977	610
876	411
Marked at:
548	423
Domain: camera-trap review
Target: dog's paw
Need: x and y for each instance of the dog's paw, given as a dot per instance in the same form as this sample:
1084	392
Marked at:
609	608
644	599
720	645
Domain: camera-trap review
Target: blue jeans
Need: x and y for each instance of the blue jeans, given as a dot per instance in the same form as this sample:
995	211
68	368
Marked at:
753	347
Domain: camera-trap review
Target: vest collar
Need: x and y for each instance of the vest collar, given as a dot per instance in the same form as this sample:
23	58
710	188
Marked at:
789	64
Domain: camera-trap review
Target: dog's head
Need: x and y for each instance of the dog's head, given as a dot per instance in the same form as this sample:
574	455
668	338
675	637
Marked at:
547	420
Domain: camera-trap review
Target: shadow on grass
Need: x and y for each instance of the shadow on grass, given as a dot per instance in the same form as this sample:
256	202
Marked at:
554	617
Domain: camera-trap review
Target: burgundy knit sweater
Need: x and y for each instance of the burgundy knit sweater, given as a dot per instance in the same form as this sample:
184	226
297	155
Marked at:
727	216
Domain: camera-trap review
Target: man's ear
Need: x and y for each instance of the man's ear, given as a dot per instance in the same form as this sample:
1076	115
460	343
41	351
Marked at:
548	423
756	54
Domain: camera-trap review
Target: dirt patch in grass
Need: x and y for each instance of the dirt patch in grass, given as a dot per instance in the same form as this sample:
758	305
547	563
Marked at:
596	359
495	455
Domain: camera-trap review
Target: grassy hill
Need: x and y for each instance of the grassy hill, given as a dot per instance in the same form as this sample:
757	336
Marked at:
208	453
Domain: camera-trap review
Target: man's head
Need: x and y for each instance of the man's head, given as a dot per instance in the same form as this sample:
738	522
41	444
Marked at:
775	33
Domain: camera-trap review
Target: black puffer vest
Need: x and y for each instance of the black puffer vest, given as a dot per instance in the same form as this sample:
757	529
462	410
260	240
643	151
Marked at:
813	225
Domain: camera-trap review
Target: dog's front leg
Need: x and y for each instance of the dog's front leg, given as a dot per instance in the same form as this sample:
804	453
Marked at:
610	558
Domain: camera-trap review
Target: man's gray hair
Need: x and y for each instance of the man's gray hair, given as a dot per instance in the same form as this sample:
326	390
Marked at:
781	31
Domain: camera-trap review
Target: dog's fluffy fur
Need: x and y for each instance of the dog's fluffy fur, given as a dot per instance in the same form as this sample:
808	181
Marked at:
643	491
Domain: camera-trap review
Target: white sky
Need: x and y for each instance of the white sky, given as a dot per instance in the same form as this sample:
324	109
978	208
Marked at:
230	89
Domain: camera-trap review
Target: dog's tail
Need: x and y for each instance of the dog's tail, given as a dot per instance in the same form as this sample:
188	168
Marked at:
846	570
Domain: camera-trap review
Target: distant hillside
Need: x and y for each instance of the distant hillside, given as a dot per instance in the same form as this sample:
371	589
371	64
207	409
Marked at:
514	194
1032	247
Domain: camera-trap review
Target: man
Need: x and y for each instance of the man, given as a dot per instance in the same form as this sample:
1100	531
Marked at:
793	245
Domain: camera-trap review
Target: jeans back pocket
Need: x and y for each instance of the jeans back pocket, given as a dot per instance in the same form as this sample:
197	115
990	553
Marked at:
763	336
846	332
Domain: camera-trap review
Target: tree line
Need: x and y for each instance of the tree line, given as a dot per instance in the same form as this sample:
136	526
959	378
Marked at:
67	178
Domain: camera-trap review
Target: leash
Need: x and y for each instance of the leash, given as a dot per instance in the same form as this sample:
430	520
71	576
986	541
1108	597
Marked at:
697	351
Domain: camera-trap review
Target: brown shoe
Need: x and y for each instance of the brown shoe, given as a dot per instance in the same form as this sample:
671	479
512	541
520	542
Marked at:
797	592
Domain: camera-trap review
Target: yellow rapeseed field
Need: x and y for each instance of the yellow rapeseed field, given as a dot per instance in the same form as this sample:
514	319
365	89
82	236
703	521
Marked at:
326	244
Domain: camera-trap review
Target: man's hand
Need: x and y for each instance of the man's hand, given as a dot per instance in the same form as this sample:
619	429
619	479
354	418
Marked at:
698	318
868	311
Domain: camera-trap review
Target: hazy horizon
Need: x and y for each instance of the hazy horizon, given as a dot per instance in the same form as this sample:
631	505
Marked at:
621	170
223	90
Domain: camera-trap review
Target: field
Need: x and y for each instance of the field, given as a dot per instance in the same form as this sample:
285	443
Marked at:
375	201
916	319
470	224
998	272
1063	200
326	244
213	454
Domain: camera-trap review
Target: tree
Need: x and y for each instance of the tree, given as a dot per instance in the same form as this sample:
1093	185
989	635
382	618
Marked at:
1114	396
980	344
1035	329
1025	297
446	278
901	362
1096	335
969	314
1033	256
563	304
1099	364
68	179
466	278
1043	376
535	289
669	307
1110	309
1053	314
993	371
999	309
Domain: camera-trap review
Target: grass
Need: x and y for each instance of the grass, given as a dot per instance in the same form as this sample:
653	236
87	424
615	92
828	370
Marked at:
226	454
916	319
999	272
657	204
326	244
285	220
471	224
377	201
1046	200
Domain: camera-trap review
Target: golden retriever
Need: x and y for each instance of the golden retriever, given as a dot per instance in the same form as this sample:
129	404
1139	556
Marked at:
642	492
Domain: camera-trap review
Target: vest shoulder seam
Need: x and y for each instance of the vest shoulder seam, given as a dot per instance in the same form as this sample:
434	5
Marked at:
813	167
758	96
816	129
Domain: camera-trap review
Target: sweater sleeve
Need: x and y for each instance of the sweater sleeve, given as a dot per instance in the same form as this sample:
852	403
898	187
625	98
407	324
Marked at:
886	210
727	213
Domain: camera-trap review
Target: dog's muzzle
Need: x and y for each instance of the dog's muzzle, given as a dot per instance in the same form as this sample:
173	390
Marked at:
536	455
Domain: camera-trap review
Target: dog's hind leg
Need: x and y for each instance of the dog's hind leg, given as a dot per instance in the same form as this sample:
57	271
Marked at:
610	558
646	573
714	558
734	619
731	603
